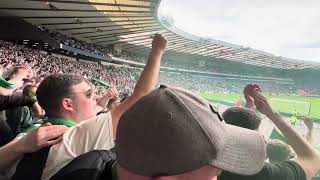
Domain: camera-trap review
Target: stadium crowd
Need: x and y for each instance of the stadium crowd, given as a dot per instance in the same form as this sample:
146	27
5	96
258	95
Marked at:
43	65
201	84
87	47
153	133
207	66
123	78
93	48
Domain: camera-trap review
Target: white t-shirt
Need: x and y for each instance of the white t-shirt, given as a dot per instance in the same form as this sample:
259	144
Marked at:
93	134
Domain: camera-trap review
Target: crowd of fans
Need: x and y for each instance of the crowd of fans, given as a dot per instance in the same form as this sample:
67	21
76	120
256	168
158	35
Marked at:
43	65
201	84
123	78
60	129
196	65
85	46
305	90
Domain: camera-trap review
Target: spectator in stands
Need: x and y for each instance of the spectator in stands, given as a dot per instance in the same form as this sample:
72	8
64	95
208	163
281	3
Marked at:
242	117
181	136
19	75
246	117
22	117
278	151
16	79
73	102
10	102
308	161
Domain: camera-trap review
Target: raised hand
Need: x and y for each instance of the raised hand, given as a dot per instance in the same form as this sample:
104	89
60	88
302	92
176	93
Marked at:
112	92
308	122
159	42
247	92
24	73
38	111
261	102
109	94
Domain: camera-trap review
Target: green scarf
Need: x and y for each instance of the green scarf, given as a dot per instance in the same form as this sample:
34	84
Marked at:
61	121
102	84
5	84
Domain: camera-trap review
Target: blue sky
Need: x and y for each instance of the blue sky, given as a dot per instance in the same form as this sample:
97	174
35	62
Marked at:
289	28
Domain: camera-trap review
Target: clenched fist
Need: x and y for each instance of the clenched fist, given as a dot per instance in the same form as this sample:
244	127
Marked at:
159	42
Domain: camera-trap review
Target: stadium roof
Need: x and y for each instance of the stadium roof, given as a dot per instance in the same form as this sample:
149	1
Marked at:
130	24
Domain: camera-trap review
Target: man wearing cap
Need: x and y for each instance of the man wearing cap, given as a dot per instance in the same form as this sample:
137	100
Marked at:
173	134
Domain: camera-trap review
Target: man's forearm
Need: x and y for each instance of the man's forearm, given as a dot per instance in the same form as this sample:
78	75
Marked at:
5	92
150	75
9	154
15	101
147	83
17	79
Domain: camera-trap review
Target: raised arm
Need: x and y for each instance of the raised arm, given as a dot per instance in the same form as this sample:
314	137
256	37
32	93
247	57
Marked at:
147	82
307	158
7	102
5	92
20	74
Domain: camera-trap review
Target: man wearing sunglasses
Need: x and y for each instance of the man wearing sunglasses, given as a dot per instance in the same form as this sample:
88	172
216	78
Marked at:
69	100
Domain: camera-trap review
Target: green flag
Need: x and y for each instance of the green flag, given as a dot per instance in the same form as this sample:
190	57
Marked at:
277	135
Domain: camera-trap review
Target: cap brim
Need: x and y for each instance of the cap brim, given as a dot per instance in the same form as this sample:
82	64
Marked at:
244	152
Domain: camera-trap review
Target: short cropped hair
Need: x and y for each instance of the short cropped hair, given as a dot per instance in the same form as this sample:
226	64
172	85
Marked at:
242	117
53	89
278	151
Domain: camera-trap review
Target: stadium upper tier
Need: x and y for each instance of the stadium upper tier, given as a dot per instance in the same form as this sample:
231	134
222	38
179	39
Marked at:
129	25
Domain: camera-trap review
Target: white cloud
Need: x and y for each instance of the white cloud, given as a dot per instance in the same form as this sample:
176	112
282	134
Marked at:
288	28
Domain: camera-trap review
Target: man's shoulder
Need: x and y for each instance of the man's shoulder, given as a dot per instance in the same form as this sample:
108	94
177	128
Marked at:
285	170
89	166
288	170
100	117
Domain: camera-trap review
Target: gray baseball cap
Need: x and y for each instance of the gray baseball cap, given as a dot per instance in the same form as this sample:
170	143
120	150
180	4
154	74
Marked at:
171	131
